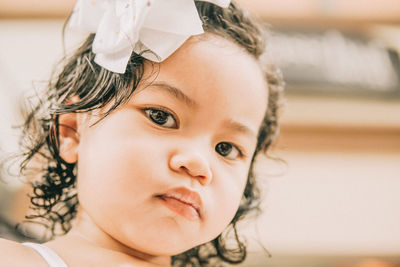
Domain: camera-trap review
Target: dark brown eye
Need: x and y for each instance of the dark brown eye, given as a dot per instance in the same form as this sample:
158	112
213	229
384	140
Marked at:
161	117
227	150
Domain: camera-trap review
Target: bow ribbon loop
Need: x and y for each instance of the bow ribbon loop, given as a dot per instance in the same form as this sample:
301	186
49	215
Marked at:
124	26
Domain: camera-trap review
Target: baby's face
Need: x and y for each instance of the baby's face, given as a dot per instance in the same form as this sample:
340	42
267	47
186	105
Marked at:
166	171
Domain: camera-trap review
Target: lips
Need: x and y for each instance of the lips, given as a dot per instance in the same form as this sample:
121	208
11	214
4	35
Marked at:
184	202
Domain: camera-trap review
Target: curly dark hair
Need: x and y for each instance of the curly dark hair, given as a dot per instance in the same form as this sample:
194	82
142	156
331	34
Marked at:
54	199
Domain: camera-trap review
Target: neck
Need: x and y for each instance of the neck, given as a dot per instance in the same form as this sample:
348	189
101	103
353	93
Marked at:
87	230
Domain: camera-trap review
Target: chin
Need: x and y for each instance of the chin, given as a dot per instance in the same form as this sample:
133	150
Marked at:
166	242
164	247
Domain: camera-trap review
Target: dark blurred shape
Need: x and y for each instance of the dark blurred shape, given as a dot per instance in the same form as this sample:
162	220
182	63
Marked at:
9	231
335	62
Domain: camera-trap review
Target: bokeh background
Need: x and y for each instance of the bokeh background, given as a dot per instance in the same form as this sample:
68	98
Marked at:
335	201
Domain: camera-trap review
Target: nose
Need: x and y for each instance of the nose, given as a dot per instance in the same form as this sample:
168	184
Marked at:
192	163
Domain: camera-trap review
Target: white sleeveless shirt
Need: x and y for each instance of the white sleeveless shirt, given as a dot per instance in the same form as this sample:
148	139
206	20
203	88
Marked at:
52	259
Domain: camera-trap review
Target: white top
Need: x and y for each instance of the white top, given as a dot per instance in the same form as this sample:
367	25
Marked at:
48	255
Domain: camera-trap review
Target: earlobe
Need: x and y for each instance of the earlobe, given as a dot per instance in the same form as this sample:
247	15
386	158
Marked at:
68	137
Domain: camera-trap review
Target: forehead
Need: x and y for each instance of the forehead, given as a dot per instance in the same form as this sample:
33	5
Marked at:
219	76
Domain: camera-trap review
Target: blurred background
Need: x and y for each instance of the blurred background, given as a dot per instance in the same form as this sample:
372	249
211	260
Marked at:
336	199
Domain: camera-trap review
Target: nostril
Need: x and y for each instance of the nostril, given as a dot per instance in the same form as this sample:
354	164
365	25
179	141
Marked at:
183	168
187	170
193	165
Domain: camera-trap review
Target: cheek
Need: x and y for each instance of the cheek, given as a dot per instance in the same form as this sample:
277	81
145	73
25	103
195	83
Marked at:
227	194
124	162
113	167
121	177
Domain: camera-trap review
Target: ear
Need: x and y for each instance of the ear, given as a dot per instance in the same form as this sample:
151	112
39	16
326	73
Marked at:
68	136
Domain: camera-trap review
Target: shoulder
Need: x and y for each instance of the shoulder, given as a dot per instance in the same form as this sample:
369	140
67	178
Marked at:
14	254
79	252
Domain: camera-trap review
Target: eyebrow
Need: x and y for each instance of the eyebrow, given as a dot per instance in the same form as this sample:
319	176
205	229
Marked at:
239	127
175	92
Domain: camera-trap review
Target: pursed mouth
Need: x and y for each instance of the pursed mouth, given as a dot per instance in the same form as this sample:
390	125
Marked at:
183	201
193	205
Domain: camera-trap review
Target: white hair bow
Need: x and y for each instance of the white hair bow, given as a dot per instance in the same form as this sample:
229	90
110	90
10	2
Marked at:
124	26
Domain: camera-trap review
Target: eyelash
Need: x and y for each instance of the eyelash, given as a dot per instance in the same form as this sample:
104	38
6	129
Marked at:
173	116
239	151
147	111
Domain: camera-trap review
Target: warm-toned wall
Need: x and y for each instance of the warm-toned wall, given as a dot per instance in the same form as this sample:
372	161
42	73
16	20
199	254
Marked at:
338	10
